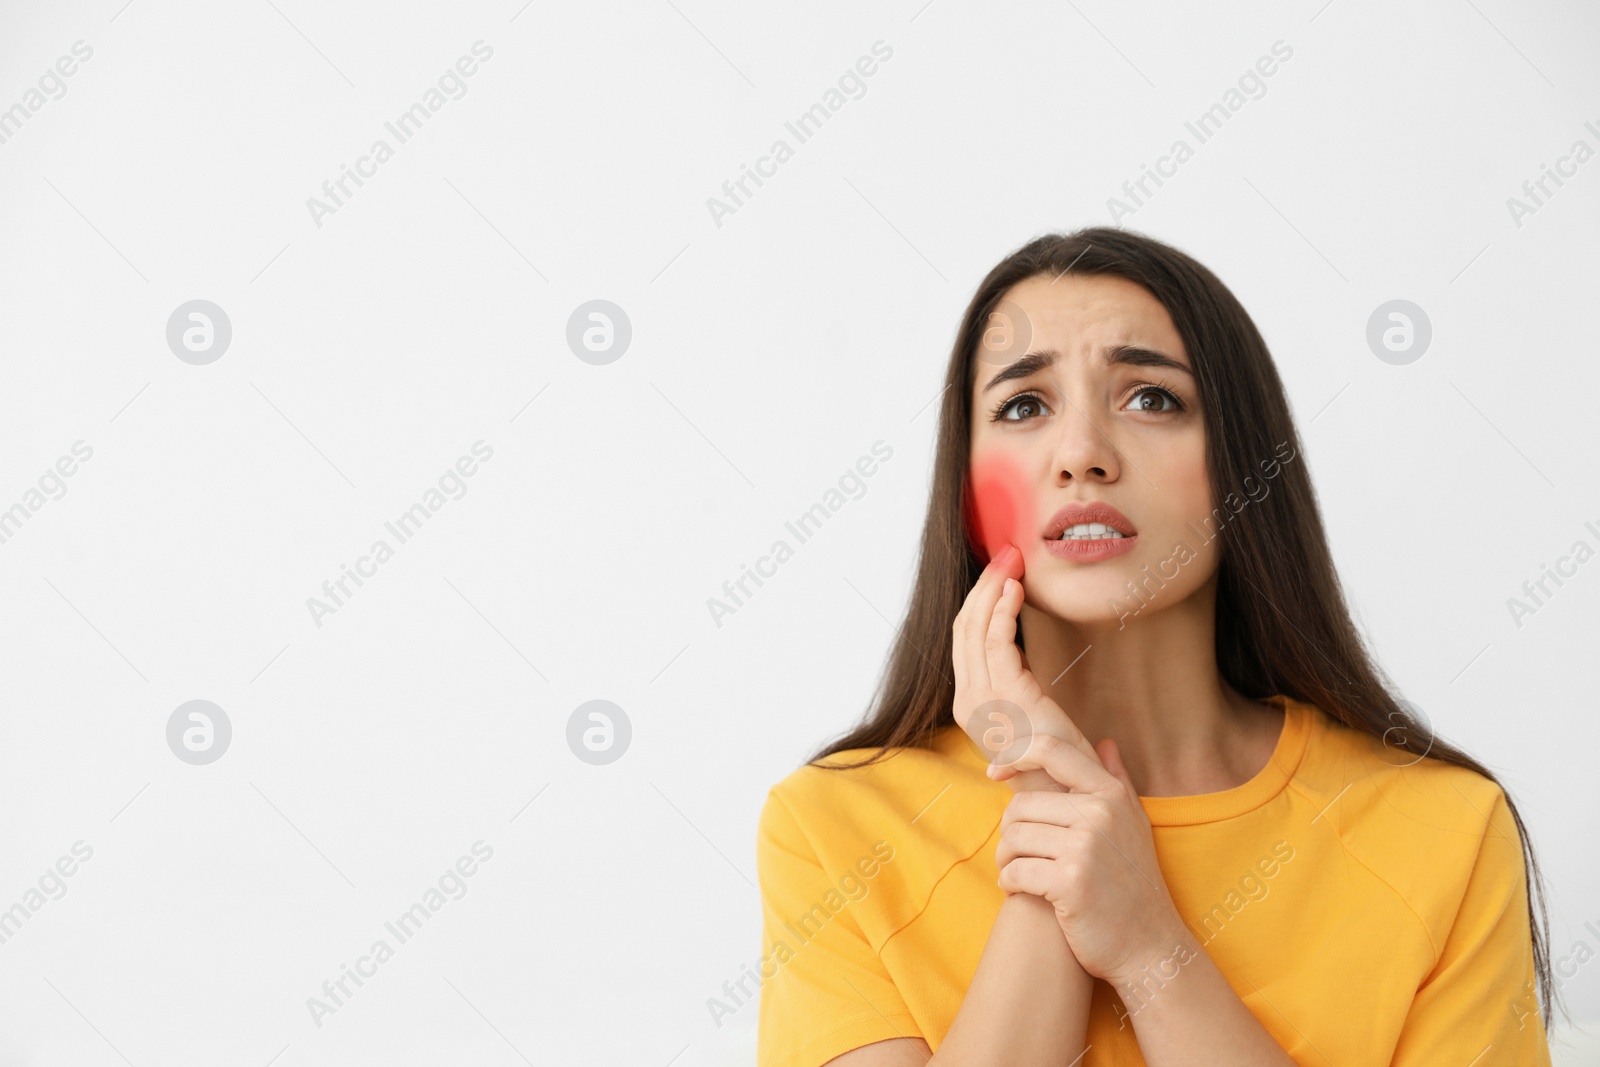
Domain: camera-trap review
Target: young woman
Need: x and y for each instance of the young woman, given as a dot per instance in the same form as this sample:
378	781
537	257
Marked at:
1262	857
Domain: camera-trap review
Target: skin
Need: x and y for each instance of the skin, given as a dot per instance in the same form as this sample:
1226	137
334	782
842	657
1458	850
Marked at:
1145	683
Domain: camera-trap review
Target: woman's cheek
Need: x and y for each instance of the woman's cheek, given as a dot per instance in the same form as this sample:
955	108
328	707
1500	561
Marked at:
998	505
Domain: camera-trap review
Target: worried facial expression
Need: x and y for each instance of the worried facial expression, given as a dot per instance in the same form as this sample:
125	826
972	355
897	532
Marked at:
1086	421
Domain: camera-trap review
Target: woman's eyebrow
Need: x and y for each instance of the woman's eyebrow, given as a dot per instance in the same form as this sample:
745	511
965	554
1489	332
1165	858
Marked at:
1135	356
1131	355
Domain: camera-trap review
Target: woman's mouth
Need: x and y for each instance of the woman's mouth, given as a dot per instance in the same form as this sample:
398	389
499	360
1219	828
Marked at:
1089	532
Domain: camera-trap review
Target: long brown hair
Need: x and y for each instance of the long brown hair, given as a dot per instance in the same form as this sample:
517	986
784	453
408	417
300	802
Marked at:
1282	625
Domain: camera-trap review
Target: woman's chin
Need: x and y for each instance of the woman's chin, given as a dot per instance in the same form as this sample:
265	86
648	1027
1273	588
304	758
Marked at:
1084	604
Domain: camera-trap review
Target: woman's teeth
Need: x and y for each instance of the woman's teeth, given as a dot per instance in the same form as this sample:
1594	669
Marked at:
1089	531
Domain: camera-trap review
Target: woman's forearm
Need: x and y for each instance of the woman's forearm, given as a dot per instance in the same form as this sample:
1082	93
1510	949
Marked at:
1185	1012
1028	1004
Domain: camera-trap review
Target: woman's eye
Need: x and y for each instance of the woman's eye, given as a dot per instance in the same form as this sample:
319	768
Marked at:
1154	398
1022	407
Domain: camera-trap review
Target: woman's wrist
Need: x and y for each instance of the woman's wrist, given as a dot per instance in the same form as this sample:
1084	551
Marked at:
1038	916
1028	1002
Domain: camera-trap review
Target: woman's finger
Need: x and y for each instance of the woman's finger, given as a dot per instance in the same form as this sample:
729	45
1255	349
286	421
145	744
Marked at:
1002	657
967	655
1038	839
1073	811
1027	874
1072	765
1009	673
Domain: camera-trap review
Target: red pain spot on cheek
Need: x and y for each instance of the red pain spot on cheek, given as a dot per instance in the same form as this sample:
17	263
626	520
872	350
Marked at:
998	505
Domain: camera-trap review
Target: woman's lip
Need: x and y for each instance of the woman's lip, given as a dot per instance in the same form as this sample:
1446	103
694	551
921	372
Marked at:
1077	512
1086	550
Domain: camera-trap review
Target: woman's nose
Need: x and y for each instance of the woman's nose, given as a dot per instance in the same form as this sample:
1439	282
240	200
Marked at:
1084	451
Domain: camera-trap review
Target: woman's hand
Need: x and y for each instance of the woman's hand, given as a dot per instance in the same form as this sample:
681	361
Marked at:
998	701
1090	852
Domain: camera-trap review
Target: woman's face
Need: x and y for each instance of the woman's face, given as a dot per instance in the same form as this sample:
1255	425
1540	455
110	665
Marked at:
1084	394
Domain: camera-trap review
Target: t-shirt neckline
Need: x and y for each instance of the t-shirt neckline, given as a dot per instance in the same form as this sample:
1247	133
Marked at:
1267	783
1293	739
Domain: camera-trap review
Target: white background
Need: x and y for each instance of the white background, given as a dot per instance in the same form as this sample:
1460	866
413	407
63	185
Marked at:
768	353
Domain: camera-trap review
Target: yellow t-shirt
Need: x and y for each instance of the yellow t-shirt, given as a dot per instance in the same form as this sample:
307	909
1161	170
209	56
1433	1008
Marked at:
1366	911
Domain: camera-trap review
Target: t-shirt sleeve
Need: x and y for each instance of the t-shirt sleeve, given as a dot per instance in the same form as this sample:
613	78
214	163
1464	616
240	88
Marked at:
824	990
1479	999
